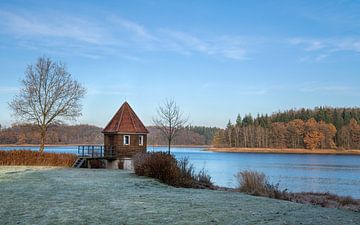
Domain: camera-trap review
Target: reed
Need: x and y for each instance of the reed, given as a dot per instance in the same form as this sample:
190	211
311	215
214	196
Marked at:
35	158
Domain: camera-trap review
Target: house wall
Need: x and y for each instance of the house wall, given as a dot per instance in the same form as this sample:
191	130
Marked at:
117	140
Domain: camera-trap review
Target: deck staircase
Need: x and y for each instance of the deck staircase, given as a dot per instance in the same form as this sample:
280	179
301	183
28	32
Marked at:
78	163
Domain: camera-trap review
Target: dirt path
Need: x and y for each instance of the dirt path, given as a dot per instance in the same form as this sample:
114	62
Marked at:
81	196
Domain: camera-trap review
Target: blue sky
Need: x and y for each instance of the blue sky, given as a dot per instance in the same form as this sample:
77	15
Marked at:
215	58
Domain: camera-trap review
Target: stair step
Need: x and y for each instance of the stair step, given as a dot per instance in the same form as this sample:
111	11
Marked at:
78	163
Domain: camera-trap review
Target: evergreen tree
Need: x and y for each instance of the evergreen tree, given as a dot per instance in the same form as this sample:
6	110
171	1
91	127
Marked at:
238	120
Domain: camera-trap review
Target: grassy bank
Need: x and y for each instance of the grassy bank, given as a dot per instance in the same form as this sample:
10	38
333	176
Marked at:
35	195
287	151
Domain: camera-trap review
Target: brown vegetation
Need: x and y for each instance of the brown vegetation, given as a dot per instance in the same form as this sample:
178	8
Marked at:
56	134
35	158
168	170
326	200
62	134
256	183
189	135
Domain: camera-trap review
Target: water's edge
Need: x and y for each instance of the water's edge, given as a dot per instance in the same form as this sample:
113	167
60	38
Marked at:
338	174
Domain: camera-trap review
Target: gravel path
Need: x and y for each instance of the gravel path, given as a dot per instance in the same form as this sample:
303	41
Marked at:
35	195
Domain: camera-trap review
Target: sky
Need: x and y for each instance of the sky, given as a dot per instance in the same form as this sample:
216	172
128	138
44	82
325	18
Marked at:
214	58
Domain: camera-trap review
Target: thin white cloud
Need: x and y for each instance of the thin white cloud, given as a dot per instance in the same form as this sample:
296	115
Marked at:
328	44
8	90
223	46
50	26
248	89
320	49
315	87
124	89
133	27
111	35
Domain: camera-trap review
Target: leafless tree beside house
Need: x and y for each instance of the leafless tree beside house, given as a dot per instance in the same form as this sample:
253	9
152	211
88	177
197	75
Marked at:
169	120
48	95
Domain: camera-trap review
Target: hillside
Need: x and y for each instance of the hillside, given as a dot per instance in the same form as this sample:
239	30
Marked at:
57	134
89	134
190	135
36	195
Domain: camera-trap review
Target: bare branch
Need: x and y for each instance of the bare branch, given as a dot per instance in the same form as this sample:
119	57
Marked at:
48	95
169	120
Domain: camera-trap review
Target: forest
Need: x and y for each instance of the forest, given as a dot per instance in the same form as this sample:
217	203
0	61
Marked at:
321	128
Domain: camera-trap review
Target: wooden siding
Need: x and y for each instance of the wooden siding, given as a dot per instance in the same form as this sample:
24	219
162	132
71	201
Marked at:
116	141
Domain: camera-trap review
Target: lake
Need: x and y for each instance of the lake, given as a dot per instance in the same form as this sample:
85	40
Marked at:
339	174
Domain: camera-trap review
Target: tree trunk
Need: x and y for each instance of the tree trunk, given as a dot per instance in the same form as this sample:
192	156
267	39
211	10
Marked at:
169	144
42	139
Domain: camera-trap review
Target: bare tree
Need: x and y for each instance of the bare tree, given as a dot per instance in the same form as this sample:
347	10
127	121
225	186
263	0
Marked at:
169	120
48	95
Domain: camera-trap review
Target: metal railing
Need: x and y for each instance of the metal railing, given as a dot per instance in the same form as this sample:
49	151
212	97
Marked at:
96	151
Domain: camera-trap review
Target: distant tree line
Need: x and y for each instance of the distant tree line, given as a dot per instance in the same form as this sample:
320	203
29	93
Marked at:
57	134
189	135
88	134
322	127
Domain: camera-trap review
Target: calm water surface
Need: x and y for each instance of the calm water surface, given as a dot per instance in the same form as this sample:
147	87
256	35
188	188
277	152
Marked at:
339	174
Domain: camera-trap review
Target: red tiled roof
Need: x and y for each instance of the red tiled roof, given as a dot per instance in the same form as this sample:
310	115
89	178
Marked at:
125	121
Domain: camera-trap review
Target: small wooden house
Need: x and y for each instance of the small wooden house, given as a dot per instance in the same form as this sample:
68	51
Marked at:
124	136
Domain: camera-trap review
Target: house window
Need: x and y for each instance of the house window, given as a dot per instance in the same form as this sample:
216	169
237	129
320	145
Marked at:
126	139
141	140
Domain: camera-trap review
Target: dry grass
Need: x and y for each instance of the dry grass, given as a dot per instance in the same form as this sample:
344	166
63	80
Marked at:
326	200
189	178
34	158
168	170
256	183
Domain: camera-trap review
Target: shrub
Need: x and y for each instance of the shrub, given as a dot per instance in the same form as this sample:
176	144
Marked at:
35	158
191	179
157	165
164	167
203	179
256	183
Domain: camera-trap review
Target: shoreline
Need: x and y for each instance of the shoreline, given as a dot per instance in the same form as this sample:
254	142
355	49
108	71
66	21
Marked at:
285	151
60	145
182	146
224	149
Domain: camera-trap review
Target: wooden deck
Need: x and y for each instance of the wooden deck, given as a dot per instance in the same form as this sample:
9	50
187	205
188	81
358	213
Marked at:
96	152
87	153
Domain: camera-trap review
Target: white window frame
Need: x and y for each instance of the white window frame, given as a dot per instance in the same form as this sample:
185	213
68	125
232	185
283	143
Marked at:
125	139
141	140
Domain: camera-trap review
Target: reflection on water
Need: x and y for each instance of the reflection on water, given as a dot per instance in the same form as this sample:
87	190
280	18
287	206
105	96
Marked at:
339	174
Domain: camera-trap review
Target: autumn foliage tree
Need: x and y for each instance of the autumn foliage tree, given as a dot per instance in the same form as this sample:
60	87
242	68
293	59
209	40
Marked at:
312	136
293	134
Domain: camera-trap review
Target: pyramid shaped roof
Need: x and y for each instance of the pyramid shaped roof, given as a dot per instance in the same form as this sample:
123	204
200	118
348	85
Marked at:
125	121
